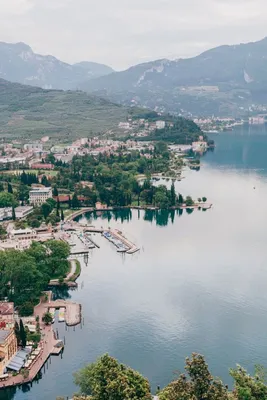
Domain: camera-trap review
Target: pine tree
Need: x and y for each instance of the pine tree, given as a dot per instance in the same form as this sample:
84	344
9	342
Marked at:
172	195
23	335
9	188
44	181
55	192
75	201
70	204
62	215
17	332
13	213
57	212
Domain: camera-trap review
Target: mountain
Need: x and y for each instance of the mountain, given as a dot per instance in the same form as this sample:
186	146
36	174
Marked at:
94	69
226	79
28	113
18	63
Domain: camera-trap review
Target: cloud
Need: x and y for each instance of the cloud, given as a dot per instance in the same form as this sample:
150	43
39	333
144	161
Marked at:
126	32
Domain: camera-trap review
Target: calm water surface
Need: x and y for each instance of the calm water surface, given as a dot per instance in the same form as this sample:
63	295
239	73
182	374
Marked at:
198	284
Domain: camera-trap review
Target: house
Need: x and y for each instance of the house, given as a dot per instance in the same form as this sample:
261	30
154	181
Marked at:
39	195
23	211
42	166
100	206
23	234
6	315
33	146
160	124
8	348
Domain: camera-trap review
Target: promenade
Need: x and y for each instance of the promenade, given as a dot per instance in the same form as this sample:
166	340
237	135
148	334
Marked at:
48	343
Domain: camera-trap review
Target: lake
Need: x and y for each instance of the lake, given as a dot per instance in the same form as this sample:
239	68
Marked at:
199	282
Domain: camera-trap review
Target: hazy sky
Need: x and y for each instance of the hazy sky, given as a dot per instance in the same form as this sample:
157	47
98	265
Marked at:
126	32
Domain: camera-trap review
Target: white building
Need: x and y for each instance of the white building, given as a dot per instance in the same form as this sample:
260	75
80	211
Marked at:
5	213
33	146
23	211
160	124
23	234
124	125
39	195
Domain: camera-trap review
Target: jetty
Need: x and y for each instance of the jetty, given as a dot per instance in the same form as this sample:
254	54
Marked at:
72	310
50	344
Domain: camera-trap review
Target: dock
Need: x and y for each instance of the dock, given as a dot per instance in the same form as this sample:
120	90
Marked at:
123	244
72	310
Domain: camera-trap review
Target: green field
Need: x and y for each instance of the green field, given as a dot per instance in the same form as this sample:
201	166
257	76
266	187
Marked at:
31	171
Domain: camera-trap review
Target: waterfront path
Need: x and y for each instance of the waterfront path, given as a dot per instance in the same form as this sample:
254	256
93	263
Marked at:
47	343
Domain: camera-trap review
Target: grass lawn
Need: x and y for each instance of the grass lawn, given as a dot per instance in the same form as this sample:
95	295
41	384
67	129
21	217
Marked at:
31	171
77	271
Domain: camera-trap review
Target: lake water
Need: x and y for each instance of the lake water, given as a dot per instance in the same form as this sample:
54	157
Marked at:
198	284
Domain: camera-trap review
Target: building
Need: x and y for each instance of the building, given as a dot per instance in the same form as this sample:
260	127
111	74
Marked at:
5	213
39	195
42	166
100	206
33	146
6	315
160	124
23	211
124	125
8	348
23	234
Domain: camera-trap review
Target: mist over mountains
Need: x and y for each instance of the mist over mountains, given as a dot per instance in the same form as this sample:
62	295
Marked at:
225	80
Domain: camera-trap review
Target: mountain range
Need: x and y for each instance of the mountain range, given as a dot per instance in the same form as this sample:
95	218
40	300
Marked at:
226	80
18	63
223	80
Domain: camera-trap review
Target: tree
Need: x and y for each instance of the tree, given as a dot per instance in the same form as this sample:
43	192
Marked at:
70	203
189	201
172	195
108	379
55	191
248	387
1	187
180	199
44	181
13	213
3	232
17	332
52	203
62	215
47	318
46	209
9	188
22	333
75	201
204	199
7	200
200	385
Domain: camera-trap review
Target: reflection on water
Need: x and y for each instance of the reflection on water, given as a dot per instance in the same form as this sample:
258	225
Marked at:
160	217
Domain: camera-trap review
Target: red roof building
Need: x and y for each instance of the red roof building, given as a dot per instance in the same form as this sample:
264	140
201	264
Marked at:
42	166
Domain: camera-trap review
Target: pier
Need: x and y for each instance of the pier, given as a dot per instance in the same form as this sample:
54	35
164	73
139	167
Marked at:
50	344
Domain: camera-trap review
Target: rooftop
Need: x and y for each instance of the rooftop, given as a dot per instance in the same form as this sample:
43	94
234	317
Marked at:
41	190
4	334
6	308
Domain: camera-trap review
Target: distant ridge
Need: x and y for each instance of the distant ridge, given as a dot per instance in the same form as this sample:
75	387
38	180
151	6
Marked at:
18	63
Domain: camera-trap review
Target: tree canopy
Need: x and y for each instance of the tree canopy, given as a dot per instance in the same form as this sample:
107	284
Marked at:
107	379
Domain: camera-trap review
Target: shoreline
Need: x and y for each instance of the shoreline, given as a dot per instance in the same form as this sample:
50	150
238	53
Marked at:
85	210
